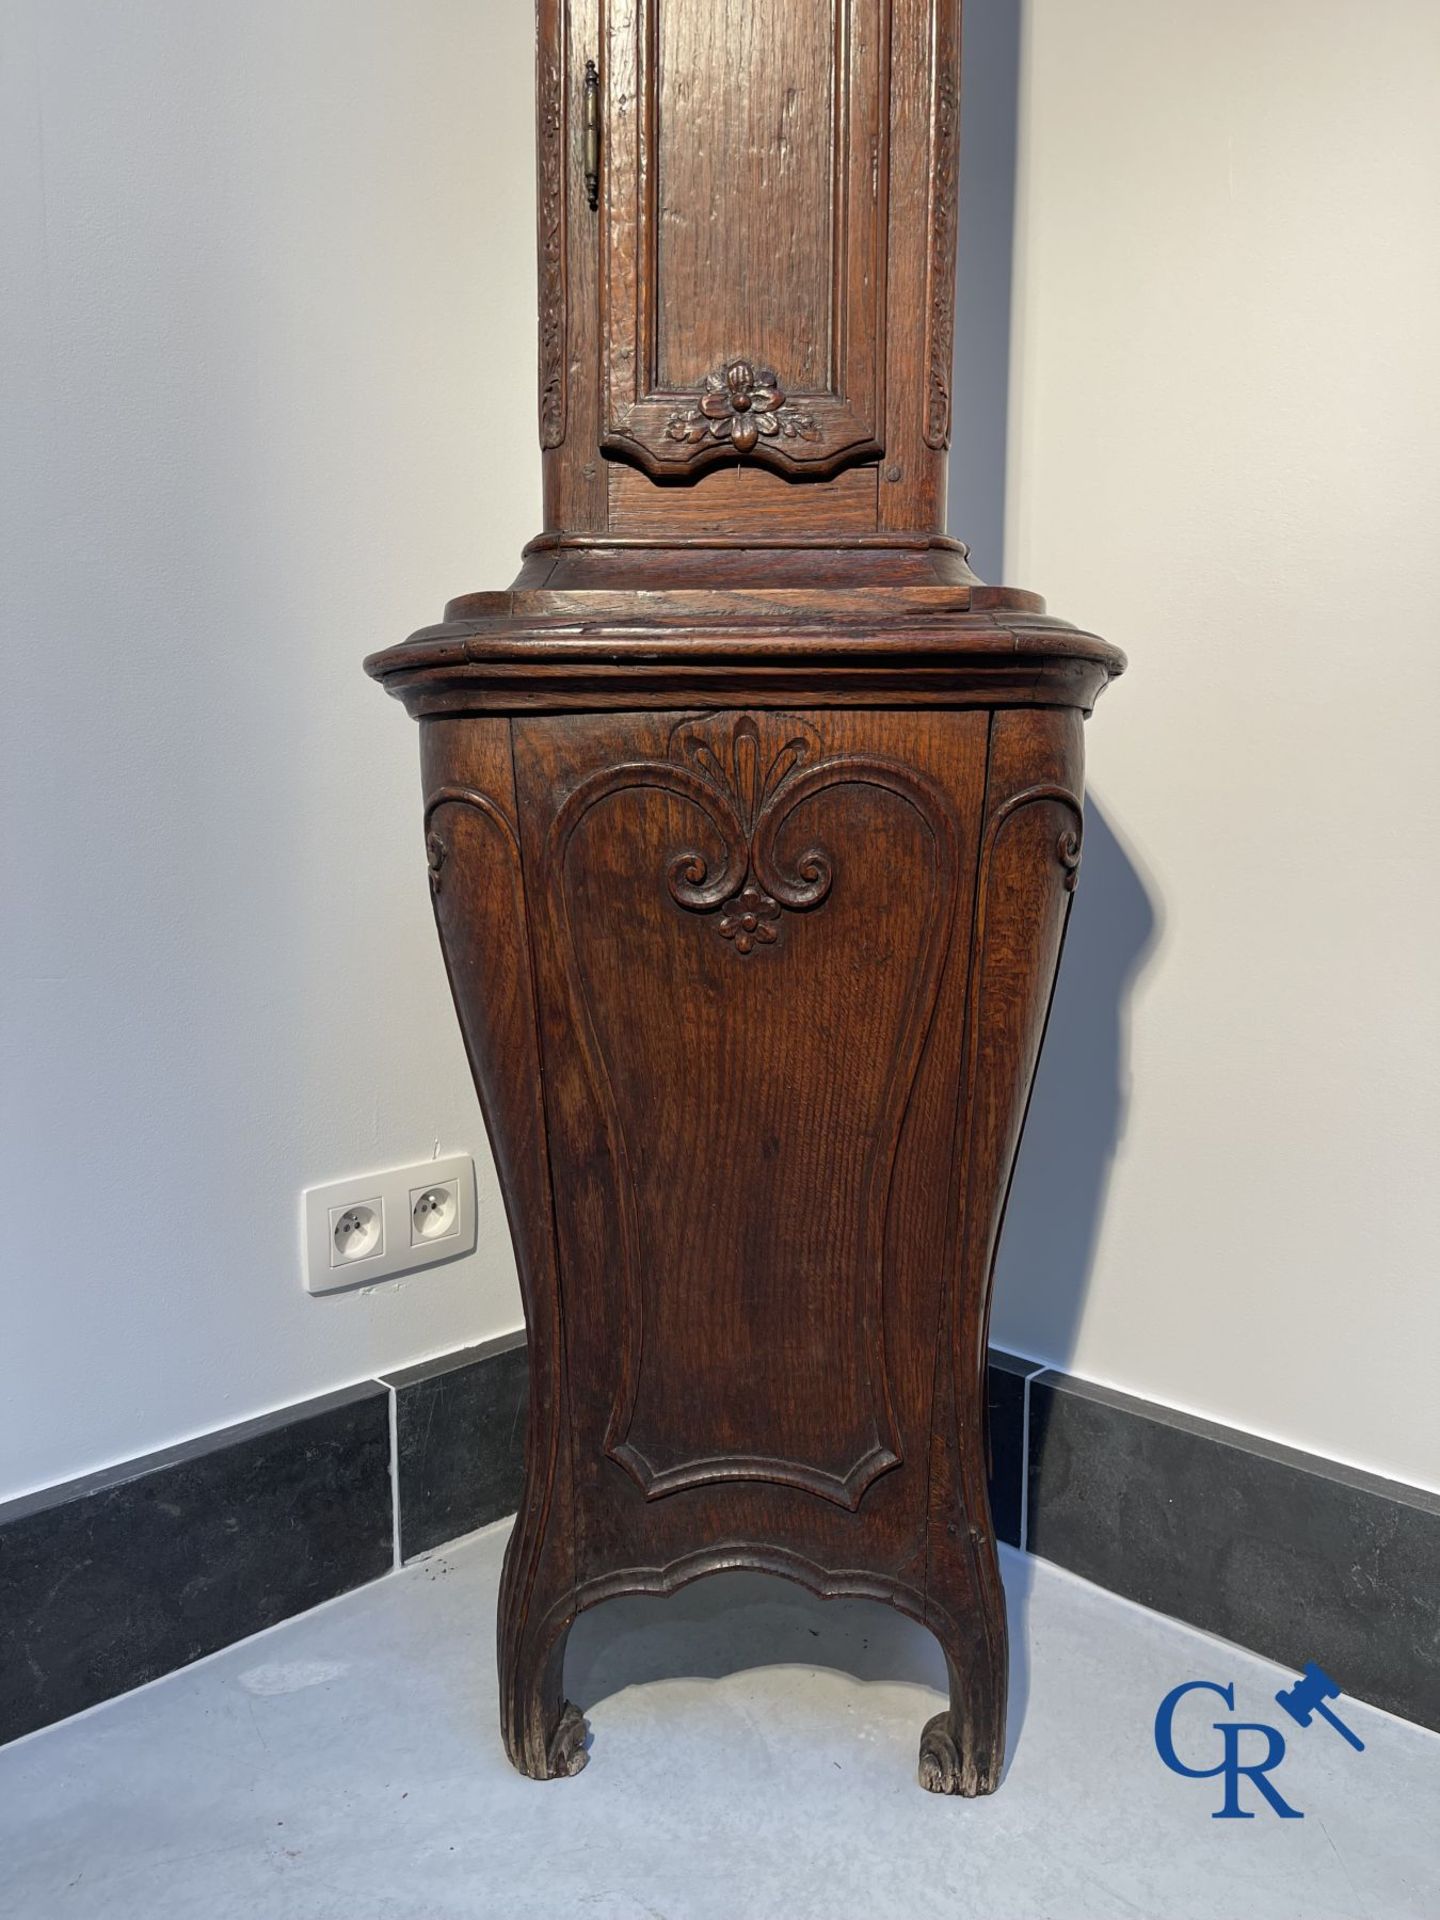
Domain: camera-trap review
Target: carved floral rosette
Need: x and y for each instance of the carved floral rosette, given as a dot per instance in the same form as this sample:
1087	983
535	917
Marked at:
744	405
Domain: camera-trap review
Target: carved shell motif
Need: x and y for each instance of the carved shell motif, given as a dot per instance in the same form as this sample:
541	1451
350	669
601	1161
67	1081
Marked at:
742	404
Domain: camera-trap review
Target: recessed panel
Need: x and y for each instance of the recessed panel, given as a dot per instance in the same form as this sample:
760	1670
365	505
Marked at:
780	915
745	189
743	234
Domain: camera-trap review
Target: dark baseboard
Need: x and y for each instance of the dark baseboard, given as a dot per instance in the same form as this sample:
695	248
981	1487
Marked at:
460	1443
111	1581
1291	1555
1006	1392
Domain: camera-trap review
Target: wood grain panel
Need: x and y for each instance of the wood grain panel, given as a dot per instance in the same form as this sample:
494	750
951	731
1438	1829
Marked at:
568	32
1029	860
706	873
922	221
714	220
742	499
745	188
477	882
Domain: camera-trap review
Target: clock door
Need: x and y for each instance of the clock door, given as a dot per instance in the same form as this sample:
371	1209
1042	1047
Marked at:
743	221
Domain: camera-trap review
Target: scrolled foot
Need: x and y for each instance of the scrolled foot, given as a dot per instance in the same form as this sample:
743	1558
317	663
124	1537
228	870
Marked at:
946	1767
566	1753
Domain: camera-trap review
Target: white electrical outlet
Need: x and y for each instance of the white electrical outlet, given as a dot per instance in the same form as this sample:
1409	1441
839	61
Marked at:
357	1232
381	1224
434	1213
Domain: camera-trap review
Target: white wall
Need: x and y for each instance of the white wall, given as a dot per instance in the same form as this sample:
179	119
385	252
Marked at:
1225	455
268	400
268	340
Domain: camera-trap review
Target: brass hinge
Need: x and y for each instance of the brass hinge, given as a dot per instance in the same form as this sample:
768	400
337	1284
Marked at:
592	135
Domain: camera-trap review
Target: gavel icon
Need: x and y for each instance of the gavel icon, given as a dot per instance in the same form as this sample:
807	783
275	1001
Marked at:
1307	1698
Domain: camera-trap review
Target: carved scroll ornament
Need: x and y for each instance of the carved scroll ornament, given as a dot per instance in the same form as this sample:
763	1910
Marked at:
752	792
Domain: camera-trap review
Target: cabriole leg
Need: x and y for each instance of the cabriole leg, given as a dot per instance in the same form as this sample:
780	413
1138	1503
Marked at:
544	1734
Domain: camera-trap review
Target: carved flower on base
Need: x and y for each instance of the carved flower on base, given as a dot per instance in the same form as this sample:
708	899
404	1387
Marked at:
748	918
743	404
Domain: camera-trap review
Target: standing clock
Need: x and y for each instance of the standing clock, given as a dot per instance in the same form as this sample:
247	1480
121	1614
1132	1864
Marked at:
753	821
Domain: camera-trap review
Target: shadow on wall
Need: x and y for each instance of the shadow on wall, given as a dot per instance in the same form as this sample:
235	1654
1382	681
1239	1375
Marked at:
989	113
1077	1113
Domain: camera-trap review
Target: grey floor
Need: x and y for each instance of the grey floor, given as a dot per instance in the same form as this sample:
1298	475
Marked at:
753	1755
